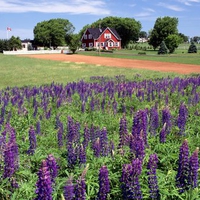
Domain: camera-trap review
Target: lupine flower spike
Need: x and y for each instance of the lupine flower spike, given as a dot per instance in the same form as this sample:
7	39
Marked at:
182	177
152	178
104	184
80	187
194	167
44	184
69	189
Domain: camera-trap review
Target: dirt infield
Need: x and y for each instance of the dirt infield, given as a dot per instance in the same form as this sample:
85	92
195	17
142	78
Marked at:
118	62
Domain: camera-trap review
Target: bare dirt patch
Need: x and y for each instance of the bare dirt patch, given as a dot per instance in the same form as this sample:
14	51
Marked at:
118	62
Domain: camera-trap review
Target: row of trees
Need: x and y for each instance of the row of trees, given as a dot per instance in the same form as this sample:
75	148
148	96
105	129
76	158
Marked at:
59	32
13	43
56	32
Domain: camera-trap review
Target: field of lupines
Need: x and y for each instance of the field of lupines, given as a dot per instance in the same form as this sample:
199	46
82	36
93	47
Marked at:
109	138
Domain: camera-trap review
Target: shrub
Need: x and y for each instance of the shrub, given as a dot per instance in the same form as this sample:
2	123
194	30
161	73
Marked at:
142	53
163	49
192	48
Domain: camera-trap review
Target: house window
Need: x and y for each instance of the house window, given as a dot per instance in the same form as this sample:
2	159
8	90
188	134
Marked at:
107	35
85	37
111	44
90	44
90	36
83	45
116	44
102	44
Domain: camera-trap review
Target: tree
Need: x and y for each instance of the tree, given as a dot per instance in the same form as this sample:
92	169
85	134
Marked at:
52	32
4	45
172	42
184	37
15	43
143	34
196	39
163	27
163	49
192	48
73	42
127	28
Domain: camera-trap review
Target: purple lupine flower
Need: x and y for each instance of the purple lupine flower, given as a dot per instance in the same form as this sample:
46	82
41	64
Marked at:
123	132
12	140
114	105
53	167
153	121
166	118
182	177
38	127
35	111
44	185
86	136
152	178
71	154
80	187
163	134
193	169
104	142
137	147
32	141
92	104
69	190
82	154
97	148
104	183
126	181
57	123
182	118
60	135
140	125
48	114
130	180
9	161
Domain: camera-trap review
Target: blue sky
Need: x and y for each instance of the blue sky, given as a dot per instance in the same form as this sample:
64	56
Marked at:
23	15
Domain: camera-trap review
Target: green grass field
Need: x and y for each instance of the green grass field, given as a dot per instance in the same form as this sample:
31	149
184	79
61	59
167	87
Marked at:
179	56
20	71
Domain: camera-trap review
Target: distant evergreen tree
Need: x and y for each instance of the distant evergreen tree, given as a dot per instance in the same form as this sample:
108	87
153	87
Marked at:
163	49
192	48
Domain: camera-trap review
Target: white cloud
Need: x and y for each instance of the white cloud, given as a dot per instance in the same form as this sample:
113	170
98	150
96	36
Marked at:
171	7
95	7
149	10
142	14
189	2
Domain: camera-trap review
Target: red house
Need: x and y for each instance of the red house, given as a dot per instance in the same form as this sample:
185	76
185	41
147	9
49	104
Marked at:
108	38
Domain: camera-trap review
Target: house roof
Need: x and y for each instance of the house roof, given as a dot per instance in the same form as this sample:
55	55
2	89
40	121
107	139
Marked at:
96	32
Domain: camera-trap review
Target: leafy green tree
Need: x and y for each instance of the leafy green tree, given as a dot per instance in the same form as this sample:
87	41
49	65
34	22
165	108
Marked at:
196	39
192	48
15	43
163	27
184	37
163	48
127	28
172	42
143	34
73	41
52	32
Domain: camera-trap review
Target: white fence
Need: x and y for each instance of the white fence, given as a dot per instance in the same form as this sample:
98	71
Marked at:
19	52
